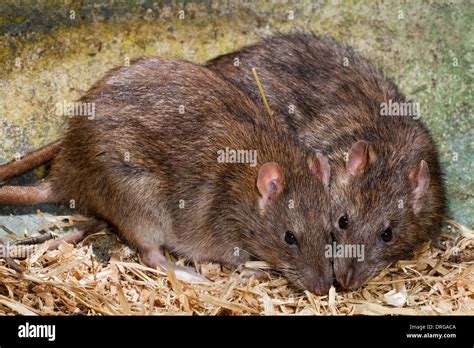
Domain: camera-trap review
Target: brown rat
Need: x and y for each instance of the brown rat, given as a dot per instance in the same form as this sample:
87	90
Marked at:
153	163
387	186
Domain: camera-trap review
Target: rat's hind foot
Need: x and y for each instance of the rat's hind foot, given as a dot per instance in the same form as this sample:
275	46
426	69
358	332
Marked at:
154	258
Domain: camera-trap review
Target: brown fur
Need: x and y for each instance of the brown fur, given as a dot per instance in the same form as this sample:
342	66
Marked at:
336	106
173	159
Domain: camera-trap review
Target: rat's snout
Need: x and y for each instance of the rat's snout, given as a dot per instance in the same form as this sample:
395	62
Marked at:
348	280
344	272
316	282
348	277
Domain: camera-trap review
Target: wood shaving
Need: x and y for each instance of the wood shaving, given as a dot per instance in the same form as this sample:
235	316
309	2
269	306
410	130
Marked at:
75	280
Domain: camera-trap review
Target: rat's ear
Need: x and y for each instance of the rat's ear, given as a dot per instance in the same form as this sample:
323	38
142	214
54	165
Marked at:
360	156
269	182
320	167
420	180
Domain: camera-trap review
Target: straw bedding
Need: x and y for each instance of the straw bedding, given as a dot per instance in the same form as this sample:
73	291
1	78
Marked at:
102	276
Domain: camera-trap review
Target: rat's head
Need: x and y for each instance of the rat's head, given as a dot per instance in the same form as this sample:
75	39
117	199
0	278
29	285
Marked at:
294	221
383	209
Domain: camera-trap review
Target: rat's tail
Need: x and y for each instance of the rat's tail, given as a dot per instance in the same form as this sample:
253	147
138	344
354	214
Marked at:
30	161
28	195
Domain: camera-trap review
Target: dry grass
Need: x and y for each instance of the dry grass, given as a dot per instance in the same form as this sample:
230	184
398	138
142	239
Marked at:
77	280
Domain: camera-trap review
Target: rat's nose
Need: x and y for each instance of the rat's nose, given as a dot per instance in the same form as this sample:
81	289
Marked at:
322	287
317	283
349	279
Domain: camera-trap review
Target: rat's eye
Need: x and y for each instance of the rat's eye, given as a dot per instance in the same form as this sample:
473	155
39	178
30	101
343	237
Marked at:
343	222
387	235
290	238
